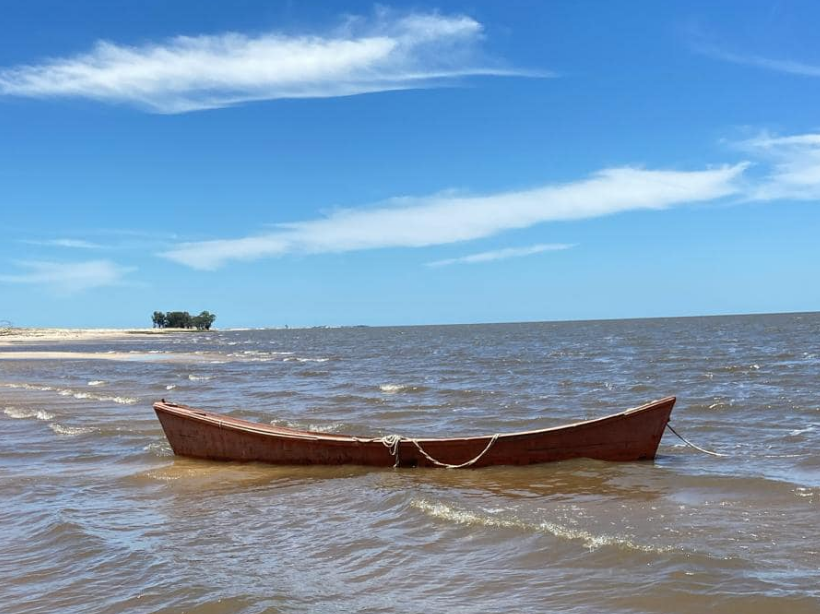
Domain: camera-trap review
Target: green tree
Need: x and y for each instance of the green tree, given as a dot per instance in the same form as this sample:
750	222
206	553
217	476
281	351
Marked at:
204	320
159	319
178	319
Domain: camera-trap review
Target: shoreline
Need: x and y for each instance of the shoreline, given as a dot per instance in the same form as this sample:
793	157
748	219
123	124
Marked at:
22	336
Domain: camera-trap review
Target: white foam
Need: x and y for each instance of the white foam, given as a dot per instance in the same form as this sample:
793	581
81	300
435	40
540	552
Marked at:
170	386
68	392
315	428
21	414
590	540
27	387
96	382
198	378
393	388
325	428
298	359
69	430
159	449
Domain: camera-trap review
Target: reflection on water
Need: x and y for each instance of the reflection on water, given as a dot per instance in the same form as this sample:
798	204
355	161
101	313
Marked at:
99	516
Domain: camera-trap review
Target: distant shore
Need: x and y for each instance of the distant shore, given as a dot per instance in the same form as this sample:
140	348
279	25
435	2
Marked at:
15	336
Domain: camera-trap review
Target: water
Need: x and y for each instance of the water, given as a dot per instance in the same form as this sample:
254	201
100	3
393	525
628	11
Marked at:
98	516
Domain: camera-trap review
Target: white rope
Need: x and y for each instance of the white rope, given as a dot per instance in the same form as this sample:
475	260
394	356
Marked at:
391	442
689	443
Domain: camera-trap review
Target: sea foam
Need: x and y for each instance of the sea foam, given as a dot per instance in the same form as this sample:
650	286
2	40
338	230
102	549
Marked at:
449	513
19	413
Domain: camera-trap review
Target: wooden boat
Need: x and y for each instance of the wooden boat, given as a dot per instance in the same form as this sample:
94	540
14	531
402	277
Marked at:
627	436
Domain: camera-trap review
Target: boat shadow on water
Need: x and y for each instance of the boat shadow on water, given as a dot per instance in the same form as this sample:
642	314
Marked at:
572	478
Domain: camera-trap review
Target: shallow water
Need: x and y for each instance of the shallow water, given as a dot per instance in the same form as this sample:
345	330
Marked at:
98	516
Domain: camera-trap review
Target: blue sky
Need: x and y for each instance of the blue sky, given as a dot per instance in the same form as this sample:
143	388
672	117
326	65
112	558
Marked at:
311	163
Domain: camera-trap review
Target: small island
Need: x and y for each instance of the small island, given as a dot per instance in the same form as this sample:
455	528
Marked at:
183	319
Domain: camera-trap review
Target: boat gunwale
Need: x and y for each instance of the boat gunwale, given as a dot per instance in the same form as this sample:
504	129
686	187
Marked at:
238	424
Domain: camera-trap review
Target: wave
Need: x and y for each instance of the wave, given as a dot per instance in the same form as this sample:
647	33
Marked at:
97	382
304	373
19	413
28	387
170	386
159	449
199	378
299	359
590	540
65	392
334	427
395	388
70	430
68	392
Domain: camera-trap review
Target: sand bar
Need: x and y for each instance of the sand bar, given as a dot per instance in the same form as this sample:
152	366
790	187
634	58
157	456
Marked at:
19	336
121	356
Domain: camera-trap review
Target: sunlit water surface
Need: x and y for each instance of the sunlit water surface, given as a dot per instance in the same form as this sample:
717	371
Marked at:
98	516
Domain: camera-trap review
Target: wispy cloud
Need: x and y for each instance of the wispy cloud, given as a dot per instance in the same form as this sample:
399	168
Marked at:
69	243
449	218
502	254
780	65
68	277
187	73
794	171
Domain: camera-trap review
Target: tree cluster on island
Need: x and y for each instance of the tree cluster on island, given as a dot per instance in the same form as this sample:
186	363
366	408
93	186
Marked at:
183	319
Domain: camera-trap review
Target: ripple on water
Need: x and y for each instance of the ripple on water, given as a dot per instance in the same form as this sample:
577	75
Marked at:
70	392
70	431
396	388
695	532
20	413
443	511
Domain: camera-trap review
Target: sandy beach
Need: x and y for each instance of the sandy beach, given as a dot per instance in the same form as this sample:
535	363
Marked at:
19	336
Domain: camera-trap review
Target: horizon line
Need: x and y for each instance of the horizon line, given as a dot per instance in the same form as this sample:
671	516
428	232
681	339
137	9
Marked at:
438	324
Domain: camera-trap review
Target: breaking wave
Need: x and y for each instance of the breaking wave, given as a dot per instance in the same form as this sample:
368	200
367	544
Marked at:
159	449
394	388
28	387
298	359
70	430
590	540
19	413
314	428
68	392
96	382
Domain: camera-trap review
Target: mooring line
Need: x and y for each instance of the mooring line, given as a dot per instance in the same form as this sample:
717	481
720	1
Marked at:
689	443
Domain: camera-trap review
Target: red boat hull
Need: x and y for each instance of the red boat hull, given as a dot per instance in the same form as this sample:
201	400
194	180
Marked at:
628	436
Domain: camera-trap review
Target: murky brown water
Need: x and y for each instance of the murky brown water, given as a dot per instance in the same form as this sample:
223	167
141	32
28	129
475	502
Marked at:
97	516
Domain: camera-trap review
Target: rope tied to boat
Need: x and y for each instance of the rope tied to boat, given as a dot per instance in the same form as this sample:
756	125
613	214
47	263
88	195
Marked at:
689	443
392	442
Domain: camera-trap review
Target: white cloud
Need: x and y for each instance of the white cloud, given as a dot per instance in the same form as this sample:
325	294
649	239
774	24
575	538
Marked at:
68	277
69	243
449	218
187	73
502	254
779	65
795	166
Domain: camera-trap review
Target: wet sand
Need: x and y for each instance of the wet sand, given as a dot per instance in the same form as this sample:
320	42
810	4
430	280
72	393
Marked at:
17	336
